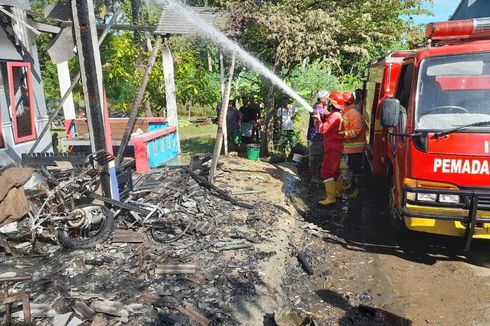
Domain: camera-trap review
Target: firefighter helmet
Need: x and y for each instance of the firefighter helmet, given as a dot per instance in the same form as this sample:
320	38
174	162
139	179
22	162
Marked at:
348	98
337	100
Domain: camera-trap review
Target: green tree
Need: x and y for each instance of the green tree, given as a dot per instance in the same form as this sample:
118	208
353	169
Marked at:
343	34
119	54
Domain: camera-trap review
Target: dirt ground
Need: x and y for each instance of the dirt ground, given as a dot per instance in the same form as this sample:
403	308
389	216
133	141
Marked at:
362	275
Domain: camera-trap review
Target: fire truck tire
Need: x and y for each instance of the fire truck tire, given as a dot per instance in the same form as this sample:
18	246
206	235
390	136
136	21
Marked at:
396	220
100	236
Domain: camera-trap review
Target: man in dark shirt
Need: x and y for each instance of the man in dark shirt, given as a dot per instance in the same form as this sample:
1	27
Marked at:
233	125
250	121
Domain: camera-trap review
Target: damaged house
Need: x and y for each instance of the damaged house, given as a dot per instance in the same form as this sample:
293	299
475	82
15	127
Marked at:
22	104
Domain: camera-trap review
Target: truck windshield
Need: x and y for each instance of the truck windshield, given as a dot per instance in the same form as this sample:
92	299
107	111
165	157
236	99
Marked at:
453	91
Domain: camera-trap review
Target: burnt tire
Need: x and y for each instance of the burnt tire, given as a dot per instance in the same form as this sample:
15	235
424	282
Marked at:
100	236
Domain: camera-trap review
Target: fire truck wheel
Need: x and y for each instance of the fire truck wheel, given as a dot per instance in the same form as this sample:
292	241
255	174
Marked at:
396	220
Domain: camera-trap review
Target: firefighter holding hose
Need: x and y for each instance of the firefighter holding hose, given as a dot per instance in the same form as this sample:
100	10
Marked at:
333	146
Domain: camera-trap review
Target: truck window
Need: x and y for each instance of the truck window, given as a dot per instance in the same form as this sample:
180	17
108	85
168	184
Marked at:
405	84
452	91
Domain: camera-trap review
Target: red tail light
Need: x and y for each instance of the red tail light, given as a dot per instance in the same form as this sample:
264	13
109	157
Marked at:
459	29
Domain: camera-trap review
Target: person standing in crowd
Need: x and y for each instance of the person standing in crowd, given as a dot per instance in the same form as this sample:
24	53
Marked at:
358	99
286	114
251	115
233	125
218	110
333	145
315	138
81	113
354	144
255	106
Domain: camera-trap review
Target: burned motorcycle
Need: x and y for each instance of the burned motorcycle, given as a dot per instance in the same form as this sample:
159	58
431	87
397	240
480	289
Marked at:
63	203
67	205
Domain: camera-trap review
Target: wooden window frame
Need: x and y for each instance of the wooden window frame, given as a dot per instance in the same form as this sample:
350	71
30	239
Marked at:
27	65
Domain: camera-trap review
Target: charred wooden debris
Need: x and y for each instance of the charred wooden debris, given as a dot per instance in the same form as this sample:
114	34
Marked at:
173	255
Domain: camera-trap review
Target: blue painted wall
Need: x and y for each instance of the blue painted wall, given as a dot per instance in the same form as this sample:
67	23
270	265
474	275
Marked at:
161	150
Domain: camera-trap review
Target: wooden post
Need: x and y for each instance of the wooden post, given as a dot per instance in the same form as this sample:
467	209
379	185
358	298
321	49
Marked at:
65	82
170	97
137	102
222	132
92	82
222	74
222	79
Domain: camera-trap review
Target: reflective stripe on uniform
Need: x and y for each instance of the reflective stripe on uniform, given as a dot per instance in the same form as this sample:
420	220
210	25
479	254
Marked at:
352	133
354	145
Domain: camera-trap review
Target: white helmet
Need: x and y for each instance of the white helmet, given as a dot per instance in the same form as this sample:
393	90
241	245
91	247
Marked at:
323	95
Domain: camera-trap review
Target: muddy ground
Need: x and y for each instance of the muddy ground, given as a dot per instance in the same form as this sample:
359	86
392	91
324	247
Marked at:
361	275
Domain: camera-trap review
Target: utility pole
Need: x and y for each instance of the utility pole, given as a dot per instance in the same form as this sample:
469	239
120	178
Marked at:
92	81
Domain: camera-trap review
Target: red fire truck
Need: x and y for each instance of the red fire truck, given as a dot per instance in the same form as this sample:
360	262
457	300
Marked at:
428	116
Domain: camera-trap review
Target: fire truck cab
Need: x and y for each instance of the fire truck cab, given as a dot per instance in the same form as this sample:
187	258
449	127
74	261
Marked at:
428	119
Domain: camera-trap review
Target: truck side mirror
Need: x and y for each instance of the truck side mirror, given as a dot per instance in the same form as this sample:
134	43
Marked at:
390	111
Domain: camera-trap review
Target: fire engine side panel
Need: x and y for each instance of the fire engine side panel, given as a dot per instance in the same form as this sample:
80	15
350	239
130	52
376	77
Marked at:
466	163
381	83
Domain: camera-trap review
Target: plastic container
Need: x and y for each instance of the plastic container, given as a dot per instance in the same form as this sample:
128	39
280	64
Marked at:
236	137
253	152
297	158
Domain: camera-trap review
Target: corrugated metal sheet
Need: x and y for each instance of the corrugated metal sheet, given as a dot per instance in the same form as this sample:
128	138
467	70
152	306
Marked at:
59	11
171	22
21	4
8	51
60	48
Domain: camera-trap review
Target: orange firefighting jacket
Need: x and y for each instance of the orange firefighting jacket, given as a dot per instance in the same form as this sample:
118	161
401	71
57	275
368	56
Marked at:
354	131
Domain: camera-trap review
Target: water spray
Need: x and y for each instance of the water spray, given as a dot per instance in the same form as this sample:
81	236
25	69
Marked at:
205	29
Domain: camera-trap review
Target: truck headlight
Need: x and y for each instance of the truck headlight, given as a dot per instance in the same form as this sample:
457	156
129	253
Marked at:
426	197
411	196
449	199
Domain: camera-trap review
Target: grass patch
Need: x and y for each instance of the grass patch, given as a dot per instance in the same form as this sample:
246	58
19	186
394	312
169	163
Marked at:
197	140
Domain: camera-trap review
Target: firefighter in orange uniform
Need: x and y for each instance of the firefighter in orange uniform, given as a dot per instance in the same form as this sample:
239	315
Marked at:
333	145
354	144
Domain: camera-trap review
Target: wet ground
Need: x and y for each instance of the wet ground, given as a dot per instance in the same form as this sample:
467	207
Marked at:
366	276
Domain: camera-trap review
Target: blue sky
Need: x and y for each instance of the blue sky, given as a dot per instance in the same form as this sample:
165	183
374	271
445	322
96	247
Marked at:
441	9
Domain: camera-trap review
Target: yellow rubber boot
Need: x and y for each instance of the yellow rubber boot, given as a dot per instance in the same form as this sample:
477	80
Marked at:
330	191
339	188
